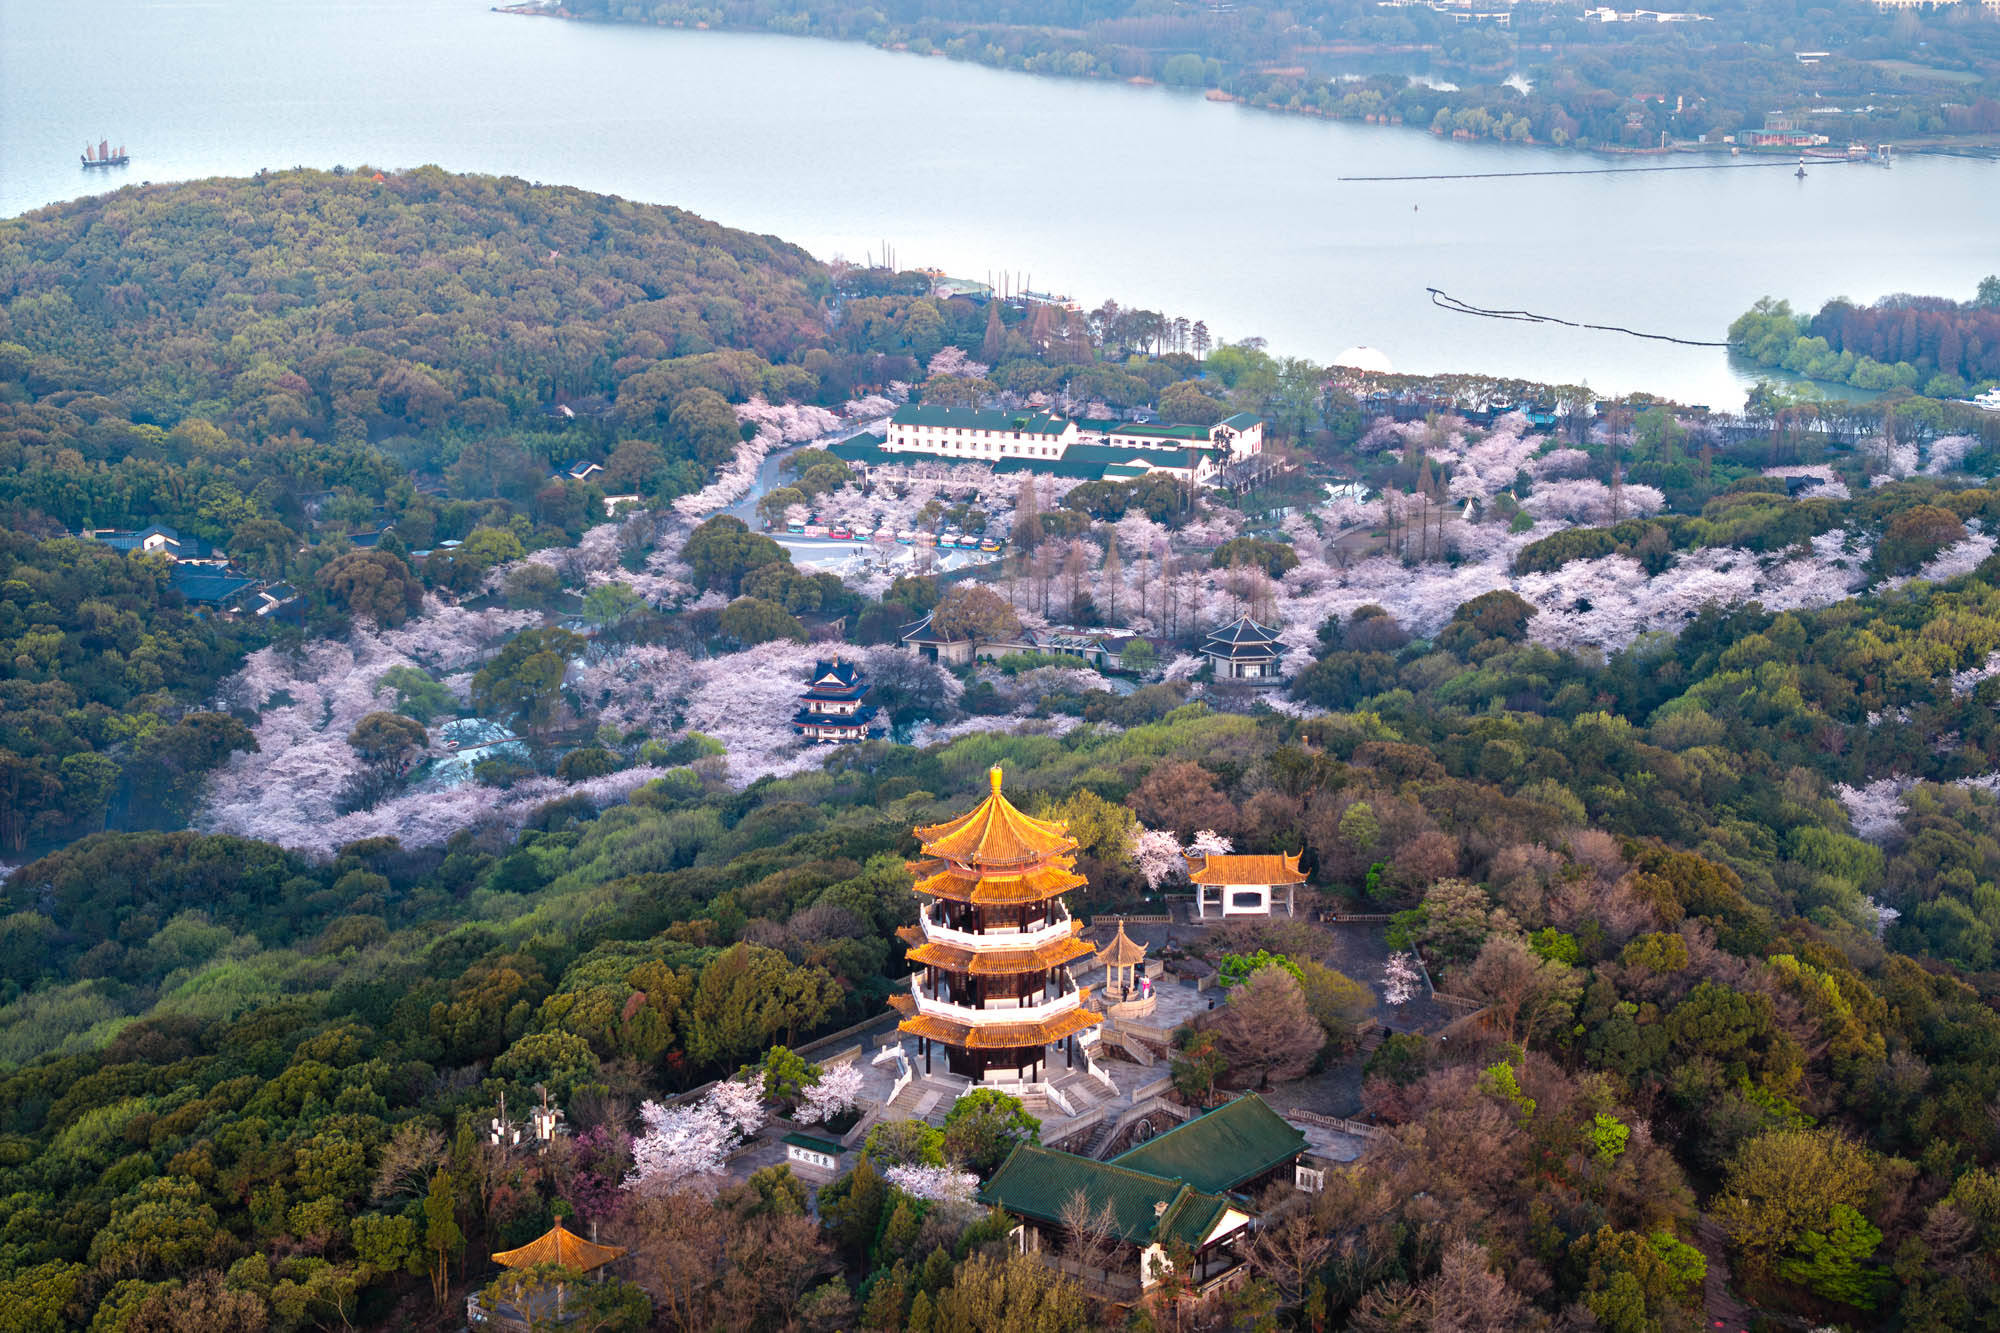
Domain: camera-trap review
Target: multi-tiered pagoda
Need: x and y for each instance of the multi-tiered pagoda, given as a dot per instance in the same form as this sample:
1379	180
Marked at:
993	945
831	709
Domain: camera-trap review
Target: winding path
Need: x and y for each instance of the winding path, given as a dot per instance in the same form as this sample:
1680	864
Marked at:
1722	1309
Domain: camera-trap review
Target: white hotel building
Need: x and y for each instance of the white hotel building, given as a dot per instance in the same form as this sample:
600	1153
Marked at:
1025	441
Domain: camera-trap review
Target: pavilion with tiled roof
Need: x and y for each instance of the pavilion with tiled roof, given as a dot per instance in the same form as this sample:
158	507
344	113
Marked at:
1245	650
993	944
562	1247
831	710
1243	885
1120	960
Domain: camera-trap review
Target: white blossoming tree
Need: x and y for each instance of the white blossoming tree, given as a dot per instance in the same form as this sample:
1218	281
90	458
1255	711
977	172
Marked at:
1207	842
835	1094
1157	854
1399	979
939	1184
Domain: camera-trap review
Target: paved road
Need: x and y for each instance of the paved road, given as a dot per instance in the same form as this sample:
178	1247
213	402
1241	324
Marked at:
767	475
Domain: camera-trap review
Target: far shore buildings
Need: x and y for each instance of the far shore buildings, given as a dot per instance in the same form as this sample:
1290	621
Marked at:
831	710
1027	440
1244	885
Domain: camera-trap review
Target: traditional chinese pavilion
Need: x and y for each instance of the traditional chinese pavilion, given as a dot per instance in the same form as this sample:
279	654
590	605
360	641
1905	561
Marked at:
993	945
1244	885
831	709
1245	650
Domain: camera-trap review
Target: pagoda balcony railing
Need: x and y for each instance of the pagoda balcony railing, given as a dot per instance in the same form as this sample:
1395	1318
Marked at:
1058	927
995	1010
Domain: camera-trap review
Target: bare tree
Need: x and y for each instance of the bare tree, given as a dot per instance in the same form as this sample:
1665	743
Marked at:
1090	1236
1467	1296
411	1155
1290	1248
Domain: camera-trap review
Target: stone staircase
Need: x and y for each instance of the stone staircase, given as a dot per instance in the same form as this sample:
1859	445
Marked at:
1372	1039
1108	1133
919	1101
1130	1048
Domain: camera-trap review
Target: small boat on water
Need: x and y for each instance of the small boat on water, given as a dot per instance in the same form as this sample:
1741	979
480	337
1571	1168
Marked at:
104	156
1801	172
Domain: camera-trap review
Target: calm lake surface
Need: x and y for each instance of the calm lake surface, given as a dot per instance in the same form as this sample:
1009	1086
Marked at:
1154	197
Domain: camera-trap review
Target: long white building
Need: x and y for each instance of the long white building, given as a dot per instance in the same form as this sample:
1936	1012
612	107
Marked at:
1031	441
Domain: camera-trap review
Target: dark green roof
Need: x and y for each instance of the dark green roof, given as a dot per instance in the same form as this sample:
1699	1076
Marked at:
864	448
976	418
1161	431
1051	467
1107	454
1241	421
201	585
816	1145
1219	1151
1039	1182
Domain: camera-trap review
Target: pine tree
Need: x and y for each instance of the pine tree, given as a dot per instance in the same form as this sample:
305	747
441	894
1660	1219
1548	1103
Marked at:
884	1309
442	1236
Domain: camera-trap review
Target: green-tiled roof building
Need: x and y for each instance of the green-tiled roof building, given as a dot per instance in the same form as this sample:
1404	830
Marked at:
1180	1194
1222	1151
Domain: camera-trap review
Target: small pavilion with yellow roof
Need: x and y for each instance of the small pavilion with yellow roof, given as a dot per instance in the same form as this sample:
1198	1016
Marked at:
993	944
562	1247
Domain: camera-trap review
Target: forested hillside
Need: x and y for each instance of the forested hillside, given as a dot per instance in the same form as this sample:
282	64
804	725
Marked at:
271	365
356	306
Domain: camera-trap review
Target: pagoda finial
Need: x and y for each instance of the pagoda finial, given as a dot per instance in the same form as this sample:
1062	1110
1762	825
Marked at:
993	776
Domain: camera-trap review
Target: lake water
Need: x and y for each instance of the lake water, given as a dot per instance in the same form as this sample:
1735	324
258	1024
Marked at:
1155	197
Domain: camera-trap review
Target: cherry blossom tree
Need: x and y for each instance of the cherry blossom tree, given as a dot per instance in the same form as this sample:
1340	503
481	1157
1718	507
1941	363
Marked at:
1157	854
740	1104
1947	452
835	1094
1207	842
1875	809
954	362
939	1184
681	1145
1399	979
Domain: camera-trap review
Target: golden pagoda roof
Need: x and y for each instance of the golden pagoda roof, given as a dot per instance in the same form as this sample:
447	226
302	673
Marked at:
994	833
1283	869
1122	951
1033	885
1000	962
563	1247
1000	1036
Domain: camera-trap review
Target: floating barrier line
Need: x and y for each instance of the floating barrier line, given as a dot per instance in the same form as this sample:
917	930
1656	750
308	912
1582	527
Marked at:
1611	171
1446	301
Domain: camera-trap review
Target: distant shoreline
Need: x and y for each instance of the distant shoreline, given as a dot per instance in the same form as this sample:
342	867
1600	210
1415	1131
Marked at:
1982	147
